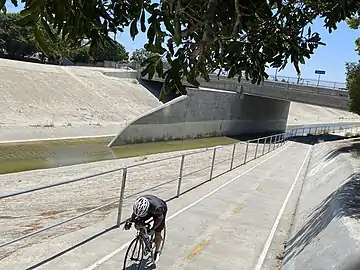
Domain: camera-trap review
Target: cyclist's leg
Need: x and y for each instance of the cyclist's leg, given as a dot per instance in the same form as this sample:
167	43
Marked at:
158	231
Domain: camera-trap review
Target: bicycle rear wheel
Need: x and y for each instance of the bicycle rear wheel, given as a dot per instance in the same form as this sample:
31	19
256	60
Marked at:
134	253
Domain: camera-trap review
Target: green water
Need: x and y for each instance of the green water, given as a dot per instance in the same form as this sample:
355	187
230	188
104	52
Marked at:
17	157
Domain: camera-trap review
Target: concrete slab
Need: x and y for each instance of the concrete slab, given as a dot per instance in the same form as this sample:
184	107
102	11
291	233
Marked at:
222	223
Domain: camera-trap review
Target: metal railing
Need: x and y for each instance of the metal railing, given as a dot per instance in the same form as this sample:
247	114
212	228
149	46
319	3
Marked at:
275	78
309	82
254	149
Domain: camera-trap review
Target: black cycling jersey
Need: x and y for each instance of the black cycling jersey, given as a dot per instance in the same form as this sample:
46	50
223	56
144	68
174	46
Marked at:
157	206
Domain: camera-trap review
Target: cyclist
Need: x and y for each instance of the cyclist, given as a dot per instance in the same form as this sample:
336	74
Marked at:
146	207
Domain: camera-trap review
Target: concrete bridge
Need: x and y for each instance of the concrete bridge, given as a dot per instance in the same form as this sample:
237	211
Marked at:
329	96
225	107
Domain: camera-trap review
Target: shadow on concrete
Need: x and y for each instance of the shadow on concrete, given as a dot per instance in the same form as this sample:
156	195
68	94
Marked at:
314	139
344	202
154	88
145	264
353	147
71	248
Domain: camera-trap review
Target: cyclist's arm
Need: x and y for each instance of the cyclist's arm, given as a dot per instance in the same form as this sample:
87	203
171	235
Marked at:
157	221
132	218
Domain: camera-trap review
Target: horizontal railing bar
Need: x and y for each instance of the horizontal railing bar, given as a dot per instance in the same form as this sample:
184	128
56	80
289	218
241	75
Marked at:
173	157
222	161
160	160
196	171
57	224
156	186
59	184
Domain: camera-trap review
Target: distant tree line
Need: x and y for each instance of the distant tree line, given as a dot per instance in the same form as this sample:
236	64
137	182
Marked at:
19	43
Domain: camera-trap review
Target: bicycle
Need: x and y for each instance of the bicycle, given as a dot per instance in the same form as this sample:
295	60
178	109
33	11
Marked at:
145	245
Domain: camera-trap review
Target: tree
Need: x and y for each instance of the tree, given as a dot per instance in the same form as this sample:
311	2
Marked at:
241	37
353	85
111	51
354	23
140	55
16	41
57	46
81	55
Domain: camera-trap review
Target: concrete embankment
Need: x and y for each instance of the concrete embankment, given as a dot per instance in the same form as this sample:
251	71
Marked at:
326	229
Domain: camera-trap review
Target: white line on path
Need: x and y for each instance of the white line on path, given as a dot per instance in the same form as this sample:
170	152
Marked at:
277	220
61	138
107	257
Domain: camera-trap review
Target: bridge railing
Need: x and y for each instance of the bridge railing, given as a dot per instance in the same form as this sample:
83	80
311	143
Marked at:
184	169
287	80
309	82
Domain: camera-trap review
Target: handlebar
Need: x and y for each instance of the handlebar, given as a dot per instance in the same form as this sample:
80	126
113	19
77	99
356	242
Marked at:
140	224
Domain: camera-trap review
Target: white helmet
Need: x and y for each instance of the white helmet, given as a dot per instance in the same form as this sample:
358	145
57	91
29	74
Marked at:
141	207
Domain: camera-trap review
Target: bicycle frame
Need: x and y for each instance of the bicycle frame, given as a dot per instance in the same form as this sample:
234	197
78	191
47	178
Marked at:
142	233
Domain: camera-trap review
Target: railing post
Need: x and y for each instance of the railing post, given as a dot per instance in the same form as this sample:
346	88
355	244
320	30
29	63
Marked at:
246	151
121	201
315	130
284	139
212	164
276	136
303	132
263	151
180	175
271	138
256	149
232	157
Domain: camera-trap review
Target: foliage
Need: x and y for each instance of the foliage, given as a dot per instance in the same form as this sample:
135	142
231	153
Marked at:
140	55
353	85
354	23
81	55
16	41
111	51
242	37
57	46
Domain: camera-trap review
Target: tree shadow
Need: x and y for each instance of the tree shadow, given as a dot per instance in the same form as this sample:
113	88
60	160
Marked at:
145	265
353	148
154	87
315	139
344	202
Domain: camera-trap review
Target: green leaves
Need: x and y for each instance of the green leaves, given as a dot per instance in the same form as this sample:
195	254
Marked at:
353	85
40	39
197	37
2	4
133	29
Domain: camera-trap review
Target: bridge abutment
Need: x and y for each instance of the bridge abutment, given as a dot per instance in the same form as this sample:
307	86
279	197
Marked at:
207	113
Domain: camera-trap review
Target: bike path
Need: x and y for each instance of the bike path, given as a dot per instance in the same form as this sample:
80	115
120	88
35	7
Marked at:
222	224
228	229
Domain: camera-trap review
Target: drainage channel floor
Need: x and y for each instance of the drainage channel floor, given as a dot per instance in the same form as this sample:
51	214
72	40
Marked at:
17	157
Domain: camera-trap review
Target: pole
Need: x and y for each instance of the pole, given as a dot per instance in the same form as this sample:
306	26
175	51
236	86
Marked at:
180	175
122	190
212	164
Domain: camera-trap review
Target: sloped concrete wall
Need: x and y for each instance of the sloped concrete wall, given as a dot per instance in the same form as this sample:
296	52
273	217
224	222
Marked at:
206	113
326	234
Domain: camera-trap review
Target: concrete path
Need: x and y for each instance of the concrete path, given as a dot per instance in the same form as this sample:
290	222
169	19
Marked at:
228	223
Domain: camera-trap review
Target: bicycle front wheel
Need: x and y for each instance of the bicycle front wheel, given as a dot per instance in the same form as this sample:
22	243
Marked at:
134	256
